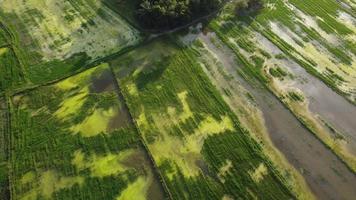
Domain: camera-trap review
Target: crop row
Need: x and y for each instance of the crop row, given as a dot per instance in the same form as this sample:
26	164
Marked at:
196	141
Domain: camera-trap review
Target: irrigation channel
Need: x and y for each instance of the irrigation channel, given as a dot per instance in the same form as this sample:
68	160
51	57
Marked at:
327	176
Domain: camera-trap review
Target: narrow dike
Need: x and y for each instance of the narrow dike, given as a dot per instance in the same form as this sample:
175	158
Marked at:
5	190
157	172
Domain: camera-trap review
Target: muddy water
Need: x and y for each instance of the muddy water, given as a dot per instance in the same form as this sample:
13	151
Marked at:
105	82
331	107
326	175
140	162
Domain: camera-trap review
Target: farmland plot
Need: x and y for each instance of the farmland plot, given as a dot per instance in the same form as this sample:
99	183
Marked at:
74	140
279	66
222	68
4	182
319	34
11	74
195	140
248	98
48	32
3	40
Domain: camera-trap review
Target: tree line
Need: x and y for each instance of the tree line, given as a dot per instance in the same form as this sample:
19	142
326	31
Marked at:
167	14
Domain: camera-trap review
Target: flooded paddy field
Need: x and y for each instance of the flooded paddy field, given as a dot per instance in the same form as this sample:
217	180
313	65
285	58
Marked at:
284	72
83	143
4	181
327	176
57	41
258	106
193	137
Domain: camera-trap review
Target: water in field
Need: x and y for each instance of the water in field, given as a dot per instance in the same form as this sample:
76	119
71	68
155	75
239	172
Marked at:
105	82
326	175
141	162
323	101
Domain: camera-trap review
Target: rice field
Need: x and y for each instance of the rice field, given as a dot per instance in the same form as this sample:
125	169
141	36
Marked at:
62	38
93	107
4	192
276	51
196	141
74	140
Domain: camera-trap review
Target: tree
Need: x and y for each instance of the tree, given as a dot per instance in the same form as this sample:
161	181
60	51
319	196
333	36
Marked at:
245	7
166	14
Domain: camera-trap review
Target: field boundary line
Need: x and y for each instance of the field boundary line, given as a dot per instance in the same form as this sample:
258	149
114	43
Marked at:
142	141
6	135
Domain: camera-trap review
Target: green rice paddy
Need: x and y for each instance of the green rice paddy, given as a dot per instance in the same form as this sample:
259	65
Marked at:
92	108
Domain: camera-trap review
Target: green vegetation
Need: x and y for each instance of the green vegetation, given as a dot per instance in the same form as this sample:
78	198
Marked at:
189	130
4	129
295	96
277	72
60	40
90	111
247	7
159	14
11	74
52	158
3	40
306	34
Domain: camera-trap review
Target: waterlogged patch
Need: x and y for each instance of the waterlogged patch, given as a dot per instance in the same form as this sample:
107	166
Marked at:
142	121
82	78
71	105
137	189
50	182
259	173
3	51
108	165
185	152
227	197
96	123
102	165
311	22
224	170
77	89
28	177
348	20
187	113
132	89
64	28
211	126
342	74
79	160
